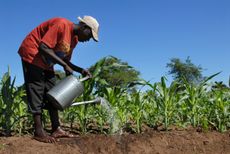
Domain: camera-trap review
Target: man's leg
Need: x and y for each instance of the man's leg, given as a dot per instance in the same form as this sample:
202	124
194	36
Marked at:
57	131
35	88
39	133
50	80
54	118
53	112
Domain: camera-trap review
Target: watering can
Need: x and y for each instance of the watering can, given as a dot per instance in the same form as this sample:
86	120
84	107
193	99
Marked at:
63	93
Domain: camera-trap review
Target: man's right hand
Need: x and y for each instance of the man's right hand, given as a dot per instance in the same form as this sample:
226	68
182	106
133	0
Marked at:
68	70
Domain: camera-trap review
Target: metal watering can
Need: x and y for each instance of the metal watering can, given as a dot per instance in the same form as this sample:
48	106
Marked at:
64	92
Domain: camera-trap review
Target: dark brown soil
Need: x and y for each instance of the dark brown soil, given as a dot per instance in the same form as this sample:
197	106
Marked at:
149	142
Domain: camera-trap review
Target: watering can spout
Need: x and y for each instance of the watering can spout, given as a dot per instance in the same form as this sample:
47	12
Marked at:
96	100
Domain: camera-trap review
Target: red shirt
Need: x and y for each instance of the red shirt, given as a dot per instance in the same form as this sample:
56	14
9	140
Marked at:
57	34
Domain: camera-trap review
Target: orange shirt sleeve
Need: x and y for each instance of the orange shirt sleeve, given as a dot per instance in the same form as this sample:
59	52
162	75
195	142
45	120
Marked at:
58	38
51	36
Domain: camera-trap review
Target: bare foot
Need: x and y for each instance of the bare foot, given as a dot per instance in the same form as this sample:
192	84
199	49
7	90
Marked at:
45	139
59	133
42	136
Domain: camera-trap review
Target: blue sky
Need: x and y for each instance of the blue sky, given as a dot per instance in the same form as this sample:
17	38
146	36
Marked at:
144	33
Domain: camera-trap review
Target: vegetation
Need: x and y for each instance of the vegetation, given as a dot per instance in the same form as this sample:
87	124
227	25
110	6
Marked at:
180	70
181	104
12	106
112	72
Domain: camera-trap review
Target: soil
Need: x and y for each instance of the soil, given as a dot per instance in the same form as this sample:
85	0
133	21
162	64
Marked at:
148	142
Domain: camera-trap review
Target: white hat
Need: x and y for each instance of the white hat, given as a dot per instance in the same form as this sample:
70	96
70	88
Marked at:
93	24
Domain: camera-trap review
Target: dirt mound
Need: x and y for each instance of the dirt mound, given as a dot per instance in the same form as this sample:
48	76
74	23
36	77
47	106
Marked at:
149	142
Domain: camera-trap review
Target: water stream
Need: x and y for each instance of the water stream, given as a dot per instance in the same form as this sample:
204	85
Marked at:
113	120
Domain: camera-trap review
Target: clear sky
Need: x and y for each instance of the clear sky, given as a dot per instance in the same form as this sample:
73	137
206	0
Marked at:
144	33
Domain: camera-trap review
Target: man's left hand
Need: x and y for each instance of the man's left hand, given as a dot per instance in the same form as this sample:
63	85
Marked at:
86	73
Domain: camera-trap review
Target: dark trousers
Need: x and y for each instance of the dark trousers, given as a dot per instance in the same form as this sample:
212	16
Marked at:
38	82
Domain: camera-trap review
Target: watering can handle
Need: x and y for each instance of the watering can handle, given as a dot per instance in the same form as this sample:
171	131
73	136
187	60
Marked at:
84	79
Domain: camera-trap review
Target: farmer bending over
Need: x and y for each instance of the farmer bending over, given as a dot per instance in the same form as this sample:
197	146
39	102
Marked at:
52	42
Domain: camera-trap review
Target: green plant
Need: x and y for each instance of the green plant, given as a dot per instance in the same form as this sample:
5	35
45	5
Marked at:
12	104
197	95
220	109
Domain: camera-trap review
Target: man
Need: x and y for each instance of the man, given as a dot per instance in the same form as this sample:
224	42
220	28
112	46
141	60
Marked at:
52	42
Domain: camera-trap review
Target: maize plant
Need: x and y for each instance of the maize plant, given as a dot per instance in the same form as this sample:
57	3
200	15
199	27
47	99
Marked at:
22	117
78	115
102	117
180	104
196	98
167	101
69	116
12	104
137	109
151	114
117	98
220	109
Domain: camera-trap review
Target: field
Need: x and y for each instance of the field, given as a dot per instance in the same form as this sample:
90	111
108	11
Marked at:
176	118
149	142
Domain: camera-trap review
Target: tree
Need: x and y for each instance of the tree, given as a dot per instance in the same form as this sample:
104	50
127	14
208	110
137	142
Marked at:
112	72
185	70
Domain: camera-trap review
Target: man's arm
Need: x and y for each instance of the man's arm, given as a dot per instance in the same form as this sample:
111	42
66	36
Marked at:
46	51
74	67
78	69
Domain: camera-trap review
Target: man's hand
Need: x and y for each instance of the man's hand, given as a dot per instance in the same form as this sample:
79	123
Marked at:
78	69
68	70
86	73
